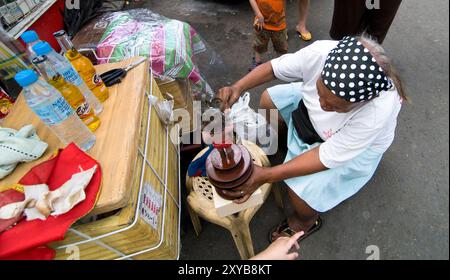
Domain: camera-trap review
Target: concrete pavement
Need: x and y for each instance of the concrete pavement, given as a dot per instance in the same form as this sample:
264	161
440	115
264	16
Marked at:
404	209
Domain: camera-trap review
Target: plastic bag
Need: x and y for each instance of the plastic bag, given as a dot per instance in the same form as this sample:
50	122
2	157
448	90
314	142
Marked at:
252	126
164	109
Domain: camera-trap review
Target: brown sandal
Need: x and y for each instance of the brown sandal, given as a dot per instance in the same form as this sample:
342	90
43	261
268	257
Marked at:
284	229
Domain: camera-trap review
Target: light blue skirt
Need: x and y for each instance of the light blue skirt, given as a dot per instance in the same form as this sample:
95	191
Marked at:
323	190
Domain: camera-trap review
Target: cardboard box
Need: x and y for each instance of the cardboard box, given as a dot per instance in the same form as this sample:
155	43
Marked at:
180	91
226	207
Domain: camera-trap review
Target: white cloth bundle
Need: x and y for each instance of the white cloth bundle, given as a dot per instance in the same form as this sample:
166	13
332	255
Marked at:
40	203
19	146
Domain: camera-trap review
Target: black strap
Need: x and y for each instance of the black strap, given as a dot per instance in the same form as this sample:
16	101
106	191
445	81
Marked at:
303	125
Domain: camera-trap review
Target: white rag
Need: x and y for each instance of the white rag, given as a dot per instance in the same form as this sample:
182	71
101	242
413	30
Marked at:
40	202
19	146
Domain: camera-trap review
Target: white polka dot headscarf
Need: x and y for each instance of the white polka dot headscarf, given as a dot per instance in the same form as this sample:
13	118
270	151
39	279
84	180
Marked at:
351	72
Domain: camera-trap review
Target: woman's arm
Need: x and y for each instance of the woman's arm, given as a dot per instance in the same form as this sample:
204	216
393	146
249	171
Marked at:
305	164
260	75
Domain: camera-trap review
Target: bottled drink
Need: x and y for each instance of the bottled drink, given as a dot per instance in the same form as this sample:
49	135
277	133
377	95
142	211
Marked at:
30	38
83	65
68	72
70	92
48	104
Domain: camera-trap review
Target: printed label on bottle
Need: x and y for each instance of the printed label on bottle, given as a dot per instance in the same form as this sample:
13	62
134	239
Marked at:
71	76
83	110
85	113
54	112
96	80
89	78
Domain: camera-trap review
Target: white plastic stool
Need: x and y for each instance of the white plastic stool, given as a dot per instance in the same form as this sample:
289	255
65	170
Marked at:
200	203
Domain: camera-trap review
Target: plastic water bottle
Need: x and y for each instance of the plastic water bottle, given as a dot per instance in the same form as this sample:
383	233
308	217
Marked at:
54	111
70	92
68	72
30	38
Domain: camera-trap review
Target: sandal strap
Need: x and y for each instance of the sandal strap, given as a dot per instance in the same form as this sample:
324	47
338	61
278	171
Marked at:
284	228
288	231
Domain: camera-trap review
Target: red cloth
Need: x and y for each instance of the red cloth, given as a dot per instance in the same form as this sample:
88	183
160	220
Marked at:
8	197
35	254
26	239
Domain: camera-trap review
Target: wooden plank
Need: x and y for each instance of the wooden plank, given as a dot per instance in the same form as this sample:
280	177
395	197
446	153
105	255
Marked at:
117	137
141	236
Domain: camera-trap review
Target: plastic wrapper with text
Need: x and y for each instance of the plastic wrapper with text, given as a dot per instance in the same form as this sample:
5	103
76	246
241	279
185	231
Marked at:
170	44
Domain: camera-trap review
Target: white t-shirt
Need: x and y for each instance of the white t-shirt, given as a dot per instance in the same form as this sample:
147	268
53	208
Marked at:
346	135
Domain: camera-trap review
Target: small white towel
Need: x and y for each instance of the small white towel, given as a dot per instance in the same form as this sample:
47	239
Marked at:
40	202
19	146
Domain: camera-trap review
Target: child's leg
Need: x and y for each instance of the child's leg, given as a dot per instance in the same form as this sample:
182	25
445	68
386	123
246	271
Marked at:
279	41
258	57
260	44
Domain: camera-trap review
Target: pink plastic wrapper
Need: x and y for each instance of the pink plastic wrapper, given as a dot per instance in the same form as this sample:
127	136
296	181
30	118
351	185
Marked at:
171	45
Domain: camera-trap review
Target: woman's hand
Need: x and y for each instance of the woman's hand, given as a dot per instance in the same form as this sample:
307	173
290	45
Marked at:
244	192
229	96
280	248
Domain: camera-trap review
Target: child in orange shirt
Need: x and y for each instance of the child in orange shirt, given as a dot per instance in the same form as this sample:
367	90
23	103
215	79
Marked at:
270	25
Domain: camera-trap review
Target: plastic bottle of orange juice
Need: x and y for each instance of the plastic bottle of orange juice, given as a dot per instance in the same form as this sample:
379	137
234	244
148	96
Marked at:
83	65
69	91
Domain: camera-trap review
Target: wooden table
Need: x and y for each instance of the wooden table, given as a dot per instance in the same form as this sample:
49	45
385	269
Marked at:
117	137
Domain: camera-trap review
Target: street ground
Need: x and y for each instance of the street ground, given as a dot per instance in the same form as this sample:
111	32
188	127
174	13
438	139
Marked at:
404	209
